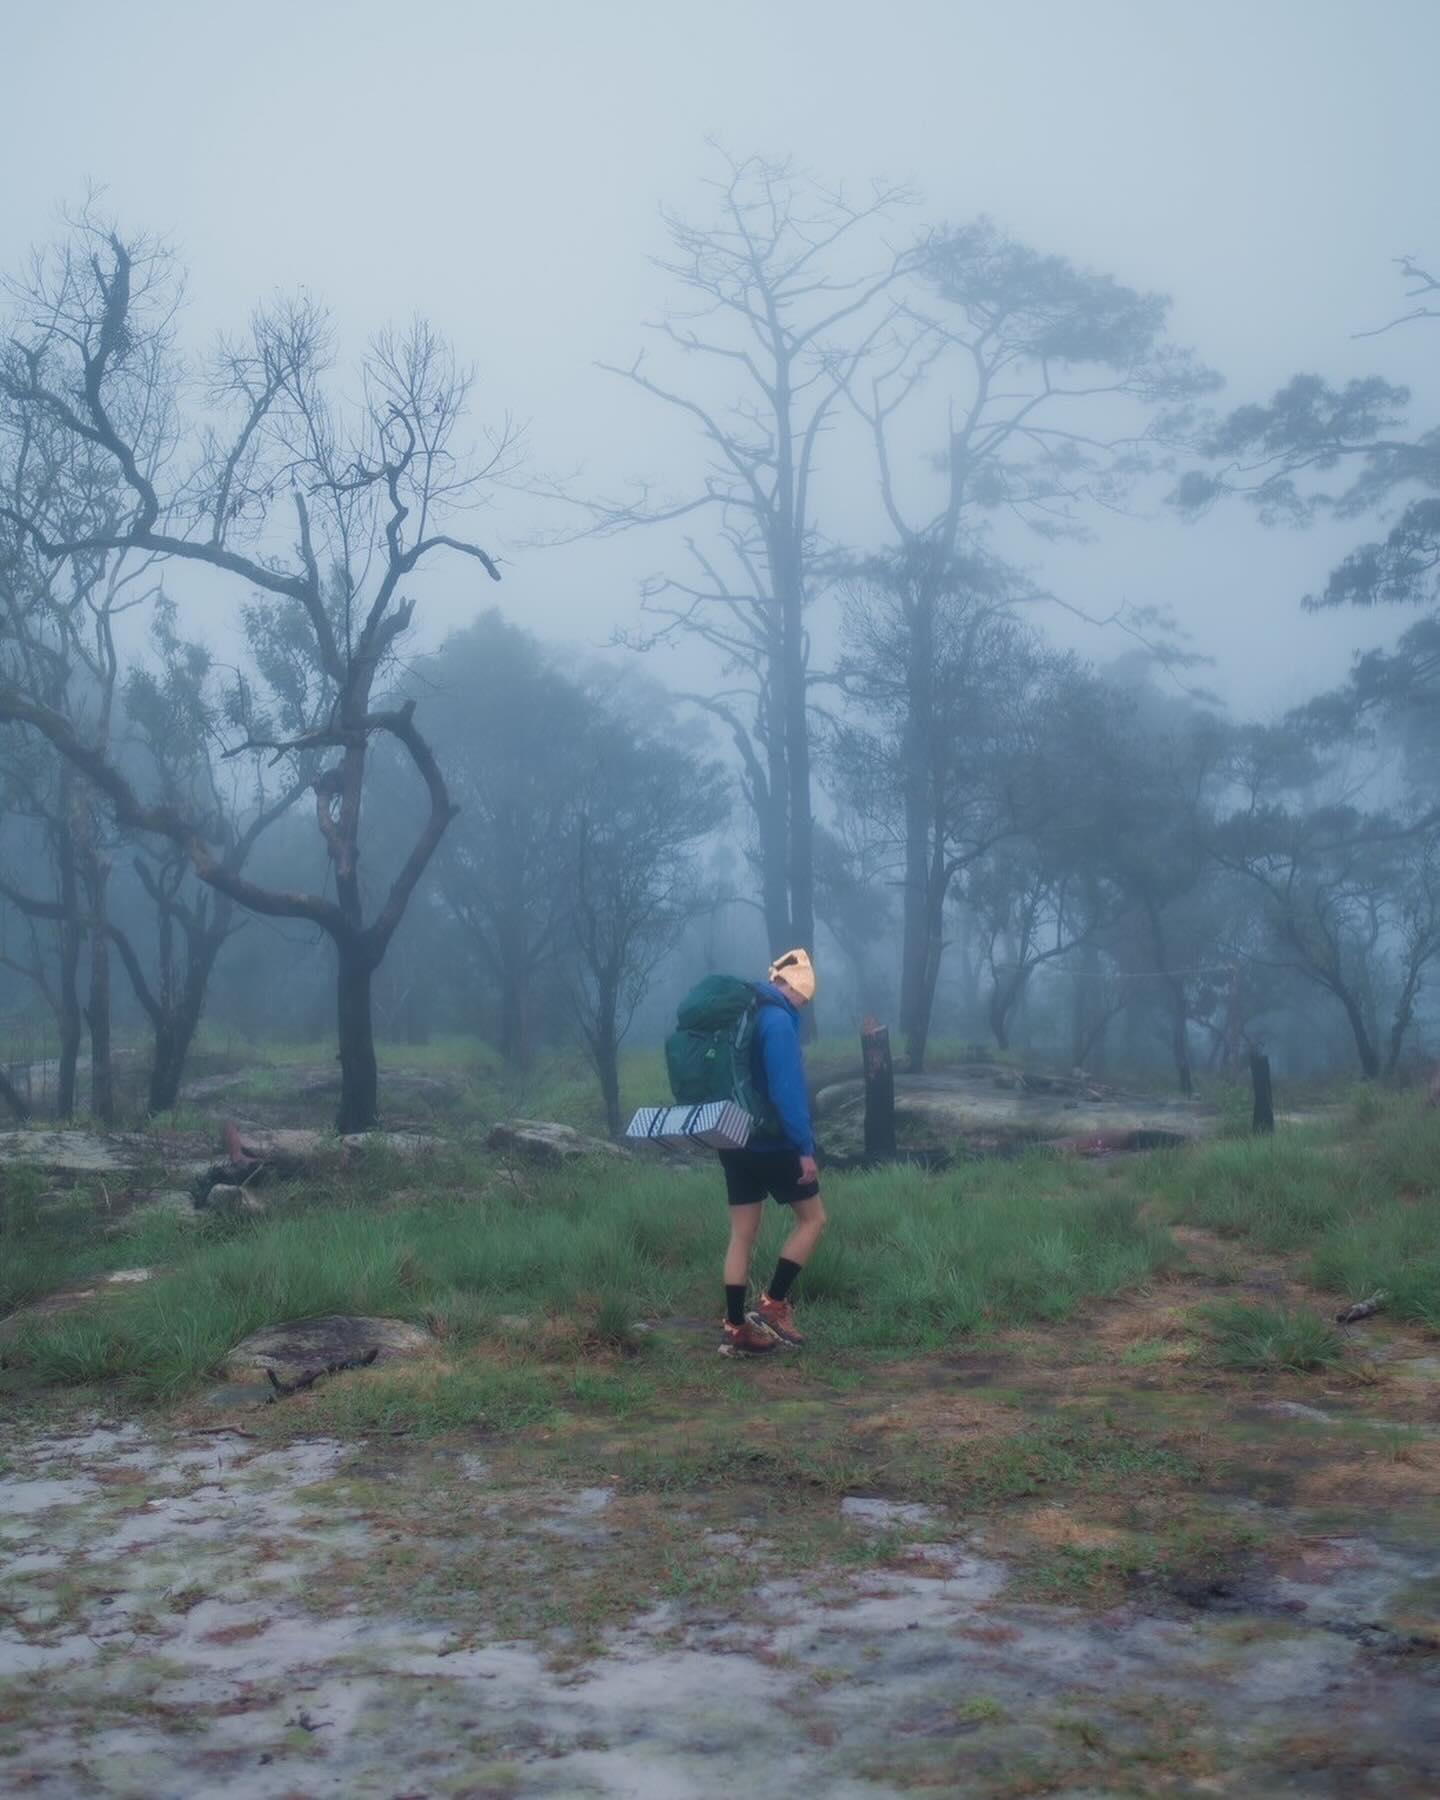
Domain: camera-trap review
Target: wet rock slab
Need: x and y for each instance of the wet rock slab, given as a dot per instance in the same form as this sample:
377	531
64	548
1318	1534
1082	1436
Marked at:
196	1657
305	1347
74	1153
993	1108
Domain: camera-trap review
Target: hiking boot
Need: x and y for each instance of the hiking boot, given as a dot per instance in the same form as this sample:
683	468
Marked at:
748	1339
777	1316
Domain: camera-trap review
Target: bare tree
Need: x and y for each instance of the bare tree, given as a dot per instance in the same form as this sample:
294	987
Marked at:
173	711
57	642
366	487
785	291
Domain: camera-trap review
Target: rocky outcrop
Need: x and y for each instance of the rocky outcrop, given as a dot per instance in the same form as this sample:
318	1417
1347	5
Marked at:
544	1141
301	1349
993	1110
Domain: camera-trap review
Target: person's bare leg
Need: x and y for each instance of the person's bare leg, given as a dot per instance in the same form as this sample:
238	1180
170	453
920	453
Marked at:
744	1229
741	1336
809	1218
774	1310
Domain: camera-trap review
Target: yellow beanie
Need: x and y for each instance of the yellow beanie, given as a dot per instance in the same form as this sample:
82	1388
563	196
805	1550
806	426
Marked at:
795	969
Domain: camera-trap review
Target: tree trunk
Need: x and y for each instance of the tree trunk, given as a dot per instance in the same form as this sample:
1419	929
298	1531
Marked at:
917	977
70	1017
1085	1012
1180	1042
359	1076
774	878
167	1065
514	1018
879	1093
12	1097
607	1067
1179	1007
801	836
1263	1117
1404	1014
914	919
1364	1044
1003	996
929	952
173	1041
102	1071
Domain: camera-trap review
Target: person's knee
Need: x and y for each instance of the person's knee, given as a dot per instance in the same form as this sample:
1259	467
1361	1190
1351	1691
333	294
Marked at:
812	1216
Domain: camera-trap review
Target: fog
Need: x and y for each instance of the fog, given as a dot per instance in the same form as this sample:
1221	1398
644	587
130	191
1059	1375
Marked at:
502	170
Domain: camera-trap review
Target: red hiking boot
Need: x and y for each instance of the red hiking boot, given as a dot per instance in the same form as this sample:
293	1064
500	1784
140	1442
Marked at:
777	1316
748	1339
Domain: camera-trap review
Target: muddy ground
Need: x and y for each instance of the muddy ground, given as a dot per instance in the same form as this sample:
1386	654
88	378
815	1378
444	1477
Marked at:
1198	1584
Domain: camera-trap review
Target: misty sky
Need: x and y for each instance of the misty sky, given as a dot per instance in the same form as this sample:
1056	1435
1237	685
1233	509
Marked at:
499	167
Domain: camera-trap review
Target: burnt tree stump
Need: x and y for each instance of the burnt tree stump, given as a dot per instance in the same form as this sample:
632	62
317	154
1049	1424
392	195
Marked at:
1263	1118
879	1092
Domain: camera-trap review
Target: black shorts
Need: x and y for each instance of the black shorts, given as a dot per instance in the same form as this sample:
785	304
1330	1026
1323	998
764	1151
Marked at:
752	1174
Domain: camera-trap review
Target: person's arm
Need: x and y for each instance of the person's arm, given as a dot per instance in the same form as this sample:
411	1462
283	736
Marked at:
785	1081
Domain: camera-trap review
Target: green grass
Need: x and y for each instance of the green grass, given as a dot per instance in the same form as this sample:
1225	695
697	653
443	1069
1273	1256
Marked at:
913	1262
578	1256
1272	1337
1361	1201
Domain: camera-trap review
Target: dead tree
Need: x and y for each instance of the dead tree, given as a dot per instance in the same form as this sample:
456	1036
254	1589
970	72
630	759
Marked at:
57	642
786	290
364	487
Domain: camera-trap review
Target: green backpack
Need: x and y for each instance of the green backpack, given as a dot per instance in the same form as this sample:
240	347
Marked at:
708	1056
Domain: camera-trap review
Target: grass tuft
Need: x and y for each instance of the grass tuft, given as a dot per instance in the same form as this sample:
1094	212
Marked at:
1272	1337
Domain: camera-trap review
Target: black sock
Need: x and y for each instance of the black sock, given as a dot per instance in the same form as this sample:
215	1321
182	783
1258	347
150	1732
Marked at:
783	1278
735	1304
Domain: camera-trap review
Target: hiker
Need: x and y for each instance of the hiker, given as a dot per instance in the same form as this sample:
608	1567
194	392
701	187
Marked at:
780	1165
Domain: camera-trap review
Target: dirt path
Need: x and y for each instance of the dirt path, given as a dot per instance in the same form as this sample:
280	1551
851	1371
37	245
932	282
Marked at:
211	1612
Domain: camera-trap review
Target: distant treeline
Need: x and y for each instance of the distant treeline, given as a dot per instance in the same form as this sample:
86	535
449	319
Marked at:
978	835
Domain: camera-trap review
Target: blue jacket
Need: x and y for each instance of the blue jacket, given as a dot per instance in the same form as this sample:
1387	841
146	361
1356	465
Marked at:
779	1068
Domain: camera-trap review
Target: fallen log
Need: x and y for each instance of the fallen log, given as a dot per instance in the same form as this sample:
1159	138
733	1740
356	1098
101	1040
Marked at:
1108	1143
282	1388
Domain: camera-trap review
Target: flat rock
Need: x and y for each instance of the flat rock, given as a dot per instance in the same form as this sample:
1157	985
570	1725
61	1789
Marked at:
302	1146
885	1515
994	1109
399	1143
302	1347
74	1152
544	1141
